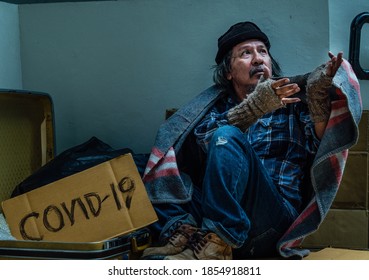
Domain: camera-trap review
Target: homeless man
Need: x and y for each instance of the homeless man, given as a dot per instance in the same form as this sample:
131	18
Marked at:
227	172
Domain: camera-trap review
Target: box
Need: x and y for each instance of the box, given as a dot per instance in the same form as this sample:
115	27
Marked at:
363	142
338	254
353	190
100	203
341	229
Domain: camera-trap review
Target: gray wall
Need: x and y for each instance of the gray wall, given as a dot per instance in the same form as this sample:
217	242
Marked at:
342	12
10	62
112	68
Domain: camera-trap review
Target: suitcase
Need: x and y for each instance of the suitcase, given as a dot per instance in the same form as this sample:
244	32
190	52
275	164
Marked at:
126	247
27	143
26	136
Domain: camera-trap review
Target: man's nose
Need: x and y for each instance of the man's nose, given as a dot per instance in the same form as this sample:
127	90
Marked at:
257	58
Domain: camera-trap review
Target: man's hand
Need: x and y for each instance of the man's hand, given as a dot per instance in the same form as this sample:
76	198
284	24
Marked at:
283	89
318	99
317	91
333	64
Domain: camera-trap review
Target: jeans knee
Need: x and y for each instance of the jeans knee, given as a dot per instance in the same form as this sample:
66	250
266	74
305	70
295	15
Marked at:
226	134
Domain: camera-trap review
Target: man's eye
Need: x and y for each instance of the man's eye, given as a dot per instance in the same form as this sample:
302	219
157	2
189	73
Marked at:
245	53
263	51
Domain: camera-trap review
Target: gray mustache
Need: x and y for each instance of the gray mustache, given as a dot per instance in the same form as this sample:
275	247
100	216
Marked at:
256	69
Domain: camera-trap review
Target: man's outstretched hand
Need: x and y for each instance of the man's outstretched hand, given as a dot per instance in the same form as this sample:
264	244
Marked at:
334	63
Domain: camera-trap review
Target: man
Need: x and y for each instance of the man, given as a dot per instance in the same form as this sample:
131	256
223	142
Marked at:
240	170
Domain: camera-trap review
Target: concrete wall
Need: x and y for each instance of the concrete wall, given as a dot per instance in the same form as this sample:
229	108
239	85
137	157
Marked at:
341	14
112	68
10	62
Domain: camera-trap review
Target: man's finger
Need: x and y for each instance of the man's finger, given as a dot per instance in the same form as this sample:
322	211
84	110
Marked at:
279	83
290	100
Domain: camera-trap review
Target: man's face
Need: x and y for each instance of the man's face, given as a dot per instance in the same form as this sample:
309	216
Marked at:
250	61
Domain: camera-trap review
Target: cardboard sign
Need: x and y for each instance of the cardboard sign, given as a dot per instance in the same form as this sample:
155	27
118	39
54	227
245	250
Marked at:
99	203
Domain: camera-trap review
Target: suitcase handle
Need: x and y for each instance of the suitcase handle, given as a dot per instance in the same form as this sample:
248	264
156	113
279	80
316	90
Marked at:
138	248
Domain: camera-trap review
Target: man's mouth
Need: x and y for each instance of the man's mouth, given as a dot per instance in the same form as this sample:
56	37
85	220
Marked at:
258	70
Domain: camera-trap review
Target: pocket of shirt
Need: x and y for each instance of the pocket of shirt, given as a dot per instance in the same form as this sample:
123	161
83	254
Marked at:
273	121
270	135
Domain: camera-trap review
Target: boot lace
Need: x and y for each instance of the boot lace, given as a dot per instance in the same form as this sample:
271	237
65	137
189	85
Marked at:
179	231
197	241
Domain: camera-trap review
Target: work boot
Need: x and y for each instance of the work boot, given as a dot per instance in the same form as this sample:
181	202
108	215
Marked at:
176	243
204	246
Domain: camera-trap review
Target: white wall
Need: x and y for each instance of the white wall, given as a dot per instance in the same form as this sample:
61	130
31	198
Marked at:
341	14
10	62
113	68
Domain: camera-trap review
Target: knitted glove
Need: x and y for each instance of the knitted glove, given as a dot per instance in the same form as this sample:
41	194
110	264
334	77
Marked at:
261	101
318	98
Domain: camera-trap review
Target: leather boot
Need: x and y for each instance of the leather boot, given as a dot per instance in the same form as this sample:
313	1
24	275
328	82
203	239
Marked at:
204	246
176	243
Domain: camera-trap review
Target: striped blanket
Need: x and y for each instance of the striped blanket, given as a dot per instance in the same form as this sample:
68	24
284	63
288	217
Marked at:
166	184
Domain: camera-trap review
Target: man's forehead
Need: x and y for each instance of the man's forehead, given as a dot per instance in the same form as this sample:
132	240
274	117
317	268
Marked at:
249	43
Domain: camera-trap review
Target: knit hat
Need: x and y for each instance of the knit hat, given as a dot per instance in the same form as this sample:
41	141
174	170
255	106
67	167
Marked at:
236	34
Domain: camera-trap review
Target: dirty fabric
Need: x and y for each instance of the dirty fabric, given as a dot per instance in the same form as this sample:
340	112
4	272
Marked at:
4	229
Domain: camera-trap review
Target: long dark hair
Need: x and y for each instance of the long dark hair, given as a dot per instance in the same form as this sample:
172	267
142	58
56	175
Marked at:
224	67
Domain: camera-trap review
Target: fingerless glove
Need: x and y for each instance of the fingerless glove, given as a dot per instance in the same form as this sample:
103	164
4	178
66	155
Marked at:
261	101
318	98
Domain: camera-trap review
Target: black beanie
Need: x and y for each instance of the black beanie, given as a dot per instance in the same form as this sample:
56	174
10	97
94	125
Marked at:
238	33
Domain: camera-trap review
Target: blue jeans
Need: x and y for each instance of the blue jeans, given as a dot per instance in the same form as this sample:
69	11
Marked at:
238	200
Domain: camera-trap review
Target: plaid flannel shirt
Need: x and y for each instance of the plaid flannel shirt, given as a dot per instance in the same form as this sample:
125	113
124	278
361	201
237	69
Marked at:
283	140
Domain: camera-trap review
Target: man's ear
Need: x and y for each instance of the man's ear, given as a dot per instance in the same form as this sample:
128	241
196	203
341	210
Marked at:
229	76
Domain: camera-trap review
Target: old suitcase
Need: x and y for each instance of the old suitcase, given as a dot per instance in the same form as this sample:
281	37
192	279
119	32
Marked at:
27	143
125	247
26	136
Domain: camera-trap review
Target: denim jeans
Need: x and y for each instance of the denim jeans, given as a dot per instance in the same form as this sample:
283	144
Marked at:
238	200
